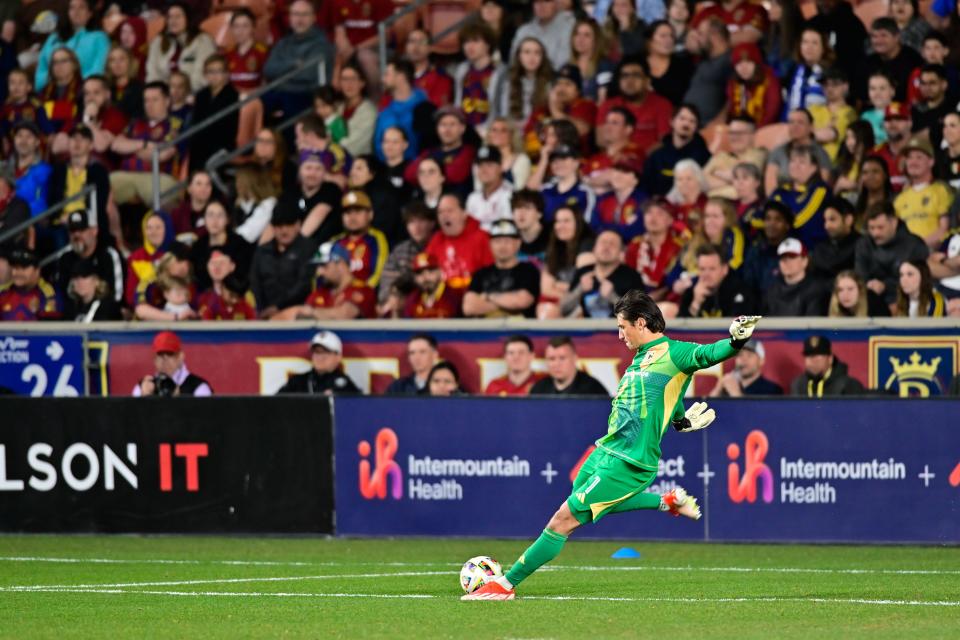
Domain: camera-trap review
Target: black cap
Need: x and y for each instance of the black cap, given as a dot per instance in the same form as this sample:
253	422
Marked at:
30	125
78	221
572	73
817	346
179	250
23	258
285	214
564	151
81	129
488	154
83	268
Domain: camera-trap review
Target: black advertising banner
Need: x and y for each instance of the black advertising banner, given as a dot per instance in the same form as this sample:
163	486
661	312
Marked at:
217	465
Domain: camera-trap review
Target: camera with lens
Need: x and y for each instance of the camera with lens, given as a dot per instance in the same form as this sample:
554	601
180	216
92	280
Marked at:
164	385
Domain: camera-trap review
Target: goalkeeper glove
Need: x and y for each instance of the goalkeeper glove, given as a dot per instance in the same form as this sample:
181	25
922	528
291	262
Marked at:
697	417
742	328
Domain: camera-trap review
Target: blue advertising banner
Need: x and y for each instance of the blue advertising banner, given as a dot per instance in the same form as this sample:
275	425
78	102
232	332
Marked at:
787	470
34	364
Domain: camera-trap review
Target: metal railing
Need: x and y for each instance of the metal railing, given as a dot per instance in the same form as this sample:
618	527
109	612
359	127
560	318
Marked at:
16	230
410	8
318	60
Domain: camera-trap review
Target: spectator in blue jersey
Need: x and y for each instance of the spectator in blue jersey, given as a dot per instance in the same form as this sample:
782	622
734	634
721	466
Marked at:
621	208
566	188
454	152
681	143
408	110
806	194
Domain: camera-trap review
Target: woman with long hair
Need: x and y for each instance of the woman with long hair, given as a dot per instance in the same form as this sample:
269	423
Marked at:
670	70
916	296
515	164
394	145
857	143
89	297
270	153
540	143
368	175
62	94
753	90
430	181
852	299
875	186
718	227
679	14
748	183
526	84
79	32
783	35
256	199
357	111
624	28
181	47
187	216
805	85
220	235
688	196
132	36
126	91
443	380
588	50
568	249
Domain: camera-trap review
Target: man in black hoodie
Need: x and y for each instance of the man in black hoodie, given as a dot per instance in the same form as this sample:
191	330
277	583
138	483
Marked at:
683	142
836	253
823	374
795	292
879	253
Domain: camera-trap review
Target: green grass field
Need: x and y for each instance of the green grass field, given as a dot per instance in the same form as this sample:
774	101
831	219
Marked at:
209	587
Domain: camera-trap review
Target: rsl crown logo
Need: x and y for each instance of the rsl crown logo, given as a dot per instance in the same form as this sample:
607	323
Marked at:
913	377
373	483
742	484
913	366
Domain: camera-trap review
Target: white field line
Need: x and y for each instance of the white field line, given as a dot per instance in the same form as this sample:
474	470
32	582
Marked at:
420	596
177	583
558	567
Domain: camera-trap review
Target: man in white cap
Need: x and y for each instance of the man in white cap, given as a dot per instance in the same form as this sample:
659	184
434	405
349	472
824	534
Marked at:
796	292
746	378
326	352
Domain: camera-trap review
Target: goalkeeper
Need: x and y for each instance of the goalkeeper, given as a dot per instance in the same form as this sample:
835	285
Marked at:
624	464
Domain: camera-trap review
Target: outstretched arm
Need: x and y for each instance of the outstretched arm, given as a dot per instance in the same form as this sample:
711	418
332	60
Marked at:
692	357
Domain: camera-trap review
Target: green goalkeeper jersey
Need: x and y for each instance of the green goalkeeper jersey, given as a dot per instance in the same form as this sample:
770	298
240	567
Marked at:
650	396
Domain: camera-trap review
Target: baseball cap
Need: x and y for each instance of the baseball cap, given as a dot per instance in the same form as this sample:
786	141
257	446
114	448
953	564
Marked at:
564	151
166	342
896	111
311	155
81	129
816	346
356	199
424	261
488	154
918	144
628	165
504	228
327	340
791	247
83	268
572	73
285	215
757	347
23	258
450	110
330	251
78	221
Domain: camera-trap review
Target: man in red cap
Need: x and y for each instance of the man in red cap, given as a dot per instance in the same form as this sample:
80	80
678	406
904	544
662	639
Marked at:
620	209
897	123
432	298
172	378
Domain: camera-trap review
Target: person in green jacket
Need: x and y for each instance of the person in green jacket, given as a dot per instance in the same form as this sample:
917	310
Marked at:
649	399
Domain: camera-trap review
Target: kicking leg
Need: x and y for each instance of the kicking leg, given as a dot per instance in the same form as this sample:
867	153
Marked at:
676	501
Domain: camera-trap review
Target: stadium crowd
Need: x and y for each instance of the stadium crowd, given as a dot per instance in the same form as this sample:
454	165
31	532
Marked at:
725	157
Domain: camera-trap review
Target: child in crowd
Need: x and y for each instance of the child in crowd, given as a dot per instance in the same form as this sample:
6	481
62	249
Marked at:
176	294
830	120
21	105
326	104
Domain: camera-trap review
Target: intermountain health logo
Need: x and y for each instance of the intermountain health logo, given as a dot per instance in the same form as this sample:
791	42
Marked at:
743	486
373	484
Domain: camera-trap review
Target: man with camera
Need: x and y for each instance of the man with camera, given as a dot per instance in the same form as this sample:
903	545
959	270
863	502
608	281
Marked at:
172	377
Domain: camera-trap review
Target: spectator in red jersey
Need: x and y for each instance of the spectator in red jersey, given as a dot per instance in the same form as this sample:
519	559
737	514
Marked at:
420	222
431	297
366	246
460	246
354	24
477	77
632	91
654	253
187	217
422	354
620	209
358	111
568	248
337	294
565	102
61	97
753	91
27	296
104	120
747	21
508	287
216	96
228	297
454	154
182	46
219	235
614	136
897	123
518	355
135	147
245	59
172	378
21	104
141	265
431	79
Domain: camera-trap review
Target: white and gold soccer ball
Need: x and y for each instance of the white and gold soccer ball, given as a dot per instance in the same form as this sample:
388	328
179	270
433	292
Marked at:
478	571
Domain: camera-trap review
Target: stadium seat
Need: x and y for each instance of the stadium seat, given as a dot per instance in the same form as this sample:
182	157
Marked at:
251	121
217	26
772	136
715	135
155	27
870	10
443	14
259	8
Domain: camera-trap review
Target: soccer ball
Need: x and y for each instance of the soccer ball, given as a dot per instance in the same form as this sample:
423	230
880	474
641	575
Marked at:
478	571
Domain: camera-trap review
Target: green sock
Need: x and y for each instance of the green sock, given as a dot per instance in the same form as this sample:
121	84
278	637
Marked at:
543	550
642	500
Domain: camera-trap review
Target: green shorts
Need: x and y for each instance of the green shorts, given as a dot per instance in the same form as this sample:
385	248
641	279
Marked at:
604	482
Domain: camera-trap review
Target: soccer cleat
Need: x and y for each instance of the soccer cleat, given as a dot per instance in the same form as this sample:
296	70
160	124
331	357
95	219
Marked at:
491	591
679	503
